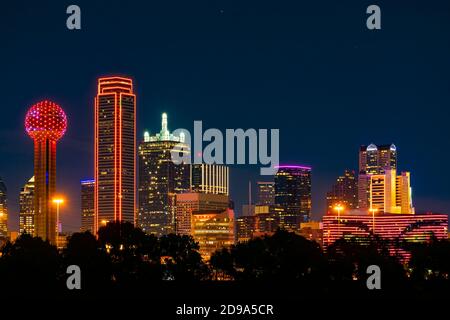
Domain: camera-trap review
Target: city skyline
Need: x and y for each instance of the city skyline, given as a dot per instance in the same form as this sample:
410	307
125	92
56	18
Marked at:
254	181
219	75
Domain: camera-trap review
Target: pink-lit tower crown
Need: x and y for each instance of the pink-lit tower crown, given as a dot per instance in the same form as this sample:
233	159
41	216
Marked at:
45	123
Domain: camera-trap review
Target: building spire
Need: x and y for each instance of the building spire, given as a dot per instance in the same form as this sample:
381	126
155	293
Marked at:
146	136
164	129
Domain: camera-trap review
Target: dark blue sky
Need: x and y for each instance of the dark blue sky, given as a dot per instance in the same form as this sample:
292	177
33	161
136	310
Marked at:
311	69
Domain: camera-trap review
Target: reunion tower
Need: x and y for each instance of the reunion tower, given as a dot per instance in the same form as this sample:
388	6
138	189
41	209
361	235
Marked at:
45	123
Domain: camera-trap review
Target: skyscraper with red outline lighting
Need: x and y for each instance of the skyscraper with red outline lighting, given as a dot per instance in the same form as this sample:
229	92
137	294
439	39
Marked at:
45	123
115	149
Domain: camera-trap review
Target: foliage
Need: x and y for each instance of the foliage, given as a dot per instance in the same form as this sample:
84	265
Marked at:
283	256
29	263
348	259
124	257
430	260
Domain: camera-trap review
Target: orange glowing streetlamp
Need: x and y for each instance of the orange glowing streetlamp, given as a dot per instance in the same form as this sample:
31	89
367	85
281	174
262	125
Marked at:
373	210
339	207
58	202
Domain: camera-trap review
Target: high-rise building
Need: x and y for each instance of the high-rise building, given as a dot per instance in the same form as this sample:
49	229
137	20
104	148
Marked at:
87	205
403	193
160	180
265	220
344	192
3	210
373	160
210	178
187	203
293	195
245	228
266	193
45	123
115	149
27	218
389	193
363	191
213	230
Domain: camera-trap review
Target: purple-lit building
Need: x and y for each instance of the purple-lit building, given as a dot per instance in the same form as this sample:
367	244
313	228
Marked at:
293	195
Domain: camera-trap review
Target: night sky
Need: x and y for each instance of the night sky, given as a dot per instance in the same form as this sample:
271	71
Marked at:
311	69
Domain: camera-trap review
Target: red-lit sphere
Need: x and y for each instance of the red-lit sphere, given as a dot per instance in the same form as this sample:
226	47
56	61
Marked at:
46	120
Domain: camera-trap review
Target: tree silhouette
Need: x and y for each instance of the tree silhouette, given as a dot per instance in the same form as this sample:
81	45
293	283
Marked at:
430	260
181	259
138	258
83	250
222	265
134	255
284	256
30	263
348	260
125	259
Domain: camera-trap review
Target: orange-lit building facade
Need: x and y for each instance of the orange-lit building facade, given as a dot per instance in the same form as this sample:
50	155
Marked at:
389	192
213	230
187	203
115	149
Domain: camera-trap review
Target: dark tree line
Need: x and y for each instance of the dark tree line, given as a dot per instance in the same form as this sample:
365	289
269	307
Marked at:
283	256
123	257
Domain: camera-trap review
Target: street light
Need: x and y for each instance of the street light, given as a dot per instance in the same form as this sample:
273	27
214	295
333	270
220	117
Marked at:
58	202
339	208
373	210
